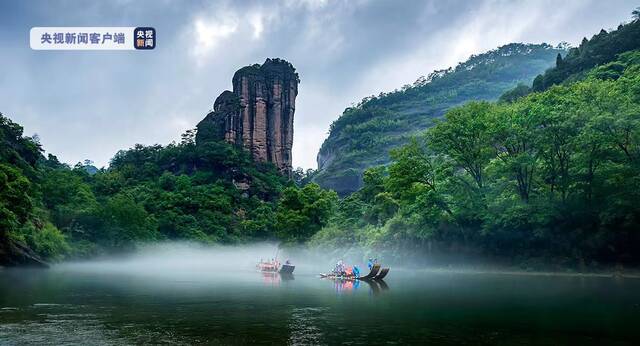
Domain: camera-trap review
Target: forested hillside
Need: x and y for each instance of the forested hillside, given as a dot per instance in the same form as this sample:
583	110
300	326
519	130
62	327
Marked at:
602	48
211	192
18	201
550	177
364	134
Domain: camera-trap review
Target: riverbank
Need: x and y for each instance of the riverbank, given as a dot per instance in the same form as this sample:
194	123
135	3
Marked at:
14	253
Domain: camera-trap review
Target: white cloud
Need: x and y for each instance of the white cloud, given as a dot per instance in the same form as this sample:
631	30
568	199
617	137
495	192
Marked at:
309	4
256	22
211	33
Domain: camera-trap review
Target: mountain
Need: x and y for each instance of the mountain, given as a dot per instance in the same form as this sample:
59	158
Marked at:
547	177
258	114
223	183
363	135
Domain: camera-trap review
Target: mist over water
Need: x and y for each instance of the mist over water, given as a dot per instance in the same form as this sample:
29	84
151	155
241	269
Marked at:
184	258
185	293
173	259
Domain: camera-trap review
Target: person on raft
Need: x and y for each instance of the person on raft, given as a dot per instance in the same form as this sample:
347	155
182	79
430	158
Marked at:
341	269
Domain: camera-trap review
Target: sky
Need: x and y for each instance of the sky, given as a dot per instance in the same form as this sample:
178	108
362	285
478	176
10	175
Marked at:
90	104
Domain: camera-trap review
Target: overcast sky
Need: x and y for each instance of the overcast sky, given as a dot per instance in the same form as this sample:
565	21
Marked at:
88	104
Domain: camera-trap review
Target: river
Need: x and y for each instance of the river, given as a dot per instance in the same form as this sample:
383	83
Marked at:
120	304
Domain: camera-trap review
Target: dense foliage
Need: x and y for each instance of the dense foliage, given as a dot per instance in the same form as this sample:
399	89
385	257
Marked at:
364	134
22	215
210	192
600	49
554	175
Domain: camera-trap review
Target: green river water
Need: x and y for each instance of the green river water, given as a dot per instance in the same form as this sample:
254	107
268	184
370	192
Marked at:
76	304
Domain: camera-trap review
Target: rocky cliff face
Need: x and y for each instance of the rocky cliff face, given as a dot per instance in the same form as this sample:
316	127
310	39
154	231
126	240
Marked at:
258	113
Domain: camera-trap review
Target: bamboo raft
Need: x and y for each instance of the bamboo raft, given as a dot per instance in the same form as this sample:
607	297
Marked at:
376	273
275	267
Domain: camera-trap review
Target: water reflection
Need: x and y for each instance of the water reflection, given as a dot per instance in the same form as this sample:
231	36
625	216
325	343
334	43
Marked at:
275	278
287	276
374	287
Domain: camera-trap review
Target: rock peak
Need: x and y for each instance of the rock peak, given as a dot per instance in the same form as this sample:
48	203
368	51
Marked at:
258	113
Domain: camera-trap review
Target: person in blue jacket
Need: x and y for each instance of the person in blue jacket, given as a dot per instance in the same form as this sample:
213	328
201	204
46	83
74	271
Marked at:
356	272
370	264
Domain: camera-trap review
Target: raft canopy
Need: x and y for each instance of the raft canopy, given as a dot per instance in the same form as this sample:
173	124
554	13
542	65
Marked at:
287	269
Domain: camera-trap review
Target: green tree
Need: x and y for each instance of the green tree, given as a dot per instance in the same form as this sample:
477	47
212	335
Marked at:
125	222
15	202
303	212
465	138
